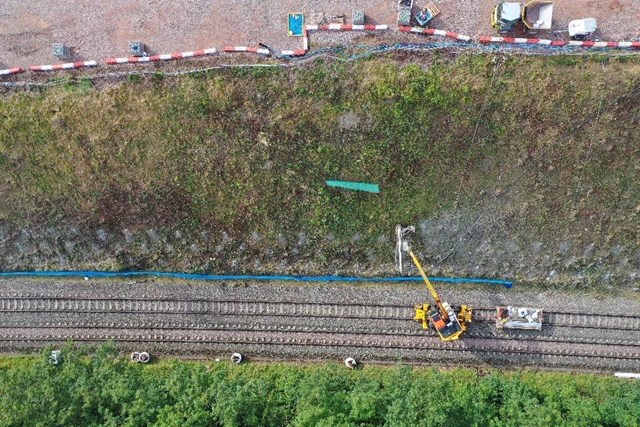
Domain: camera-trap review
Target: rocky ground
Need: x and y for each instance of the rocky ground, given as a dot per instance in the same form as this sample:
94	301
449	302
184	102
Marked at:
488	253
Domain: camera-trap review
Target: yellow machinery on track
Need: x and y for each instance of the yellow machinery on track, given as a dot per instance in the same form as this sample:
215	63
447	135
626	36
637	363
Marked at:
441	317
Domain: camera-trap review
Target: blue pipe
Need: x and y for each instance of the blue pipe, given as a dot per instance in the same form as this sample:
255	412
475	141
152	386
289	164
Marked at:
191	276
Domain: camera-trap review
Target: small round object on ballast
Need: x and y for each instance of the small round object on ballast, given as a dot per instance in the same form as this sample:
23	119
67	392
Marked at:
237	358
135	356
144	357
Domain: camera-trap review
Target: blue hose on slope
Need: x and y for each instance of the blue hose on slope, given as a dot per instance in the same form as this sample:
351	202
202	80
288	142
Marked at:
190	276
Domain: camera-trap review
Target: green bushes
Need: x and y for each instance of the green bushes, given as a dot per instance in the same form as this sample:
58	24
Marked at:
104	389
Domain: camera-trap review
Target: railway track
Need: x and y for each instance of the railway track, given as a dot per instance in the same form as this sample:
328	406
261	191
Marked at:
32	321
200	306
410	331
369	341
284	309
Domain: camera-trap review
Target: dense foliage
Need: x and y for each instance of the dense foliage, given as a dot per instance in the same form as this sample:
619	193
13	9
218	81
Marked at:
105	389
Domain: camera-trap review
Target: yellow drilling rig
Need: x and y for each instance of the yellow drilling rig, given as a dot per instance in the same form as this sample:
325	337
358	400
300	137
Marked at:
440	316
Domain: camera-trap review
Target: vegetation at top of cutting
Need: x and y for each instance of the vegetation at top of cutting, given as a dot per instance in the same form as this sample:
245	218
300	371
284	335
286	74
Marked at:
511	154
105	389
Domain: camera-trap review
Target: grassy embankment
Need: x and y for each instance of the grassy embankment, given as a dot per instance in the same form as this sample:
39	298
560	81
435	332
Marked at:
247	153
104	389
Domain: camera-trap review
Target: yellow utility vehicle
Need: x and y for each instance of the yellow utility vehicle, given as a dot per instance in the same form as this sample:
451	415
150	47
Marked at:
505	16
448	324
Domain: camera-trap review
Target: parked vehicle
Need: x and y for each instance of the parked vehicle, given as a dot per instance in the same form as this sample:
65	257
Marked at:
505	16
581	29
518	318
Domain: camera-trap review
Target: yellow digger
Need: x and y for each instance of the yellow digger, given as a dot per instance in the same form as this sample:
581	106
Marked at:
440	316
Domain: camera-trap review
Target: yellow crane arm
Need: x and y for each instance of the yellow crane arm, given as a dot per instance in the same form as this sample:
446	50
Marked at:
434	294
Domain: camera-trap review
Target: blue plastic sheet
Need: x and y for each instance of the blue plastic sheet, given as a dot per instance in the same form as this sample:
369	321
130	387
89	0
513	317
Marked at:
296	24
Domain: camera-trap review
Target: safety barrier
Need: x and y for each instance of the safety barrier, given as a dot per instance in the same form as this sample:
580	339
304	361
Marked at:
342	50
331	27
297	53
9	71
163	57
66	66
559	43
346	27
192	276
434	32
261	51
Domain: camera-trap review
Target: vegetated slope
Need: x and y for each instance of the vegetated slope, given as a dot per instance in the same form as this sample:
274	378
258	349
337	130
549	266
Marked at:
522	168
104	389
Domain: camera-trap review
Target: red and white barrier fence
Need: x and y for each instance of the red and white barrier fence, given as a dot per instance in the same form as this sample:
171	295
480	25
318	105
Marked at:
558	43
9	71
328	27
163	57
331	27
297	52
434	32
67	66
345	27
259	50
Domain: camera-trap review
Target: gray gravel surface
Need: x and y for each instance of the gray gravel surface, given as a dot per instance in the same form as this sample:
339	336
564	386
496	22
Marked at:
97	30
333	292
320	333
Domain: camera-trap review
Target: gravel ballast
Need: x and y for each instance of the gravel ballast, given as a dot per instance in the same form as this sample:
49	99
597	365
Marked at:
314	337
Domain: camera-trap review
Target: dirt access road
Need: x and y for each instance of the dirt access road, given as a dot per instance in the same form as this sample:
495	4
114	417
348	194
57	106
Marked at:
97	30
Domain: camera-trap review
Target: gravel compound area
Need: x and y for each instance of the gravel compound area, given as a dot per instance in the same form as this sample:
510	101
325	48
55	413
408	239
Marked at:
310	322
95	31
